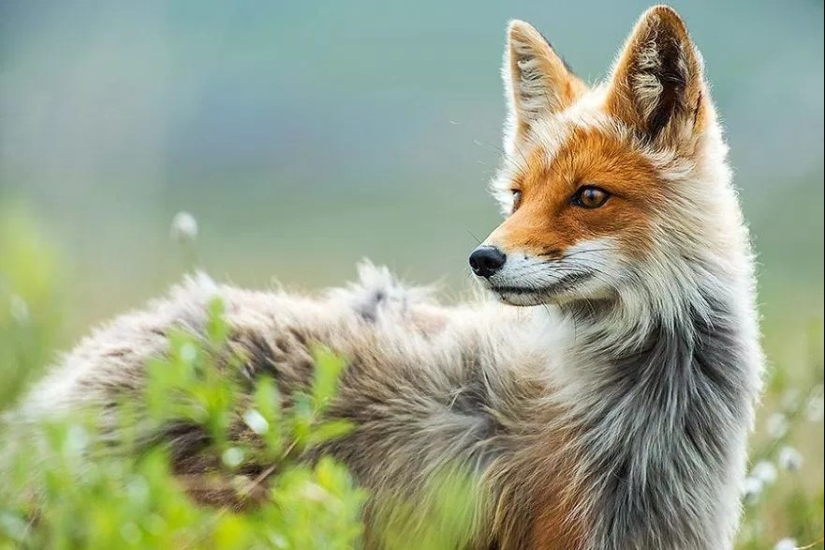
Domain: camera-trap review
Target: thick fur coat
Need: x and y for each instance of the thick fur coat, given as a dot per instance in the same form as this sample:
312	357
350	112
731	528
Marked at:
611	410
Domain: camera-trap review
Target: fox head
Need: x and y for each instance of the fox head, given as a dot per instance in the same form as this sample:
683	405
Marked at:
614	192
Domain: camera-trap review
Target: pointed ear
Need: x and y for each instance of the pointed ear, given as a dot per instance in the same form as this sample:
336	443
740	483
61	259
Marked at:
538	82
658	84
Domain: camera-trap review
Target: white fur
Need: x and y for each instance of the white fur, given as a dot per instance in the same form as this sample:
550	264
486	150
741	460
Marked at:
653	363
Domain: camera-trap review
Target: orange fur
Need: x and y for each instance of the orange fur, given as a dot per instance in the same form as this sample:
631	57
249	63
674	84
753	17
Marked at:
547	224
556	525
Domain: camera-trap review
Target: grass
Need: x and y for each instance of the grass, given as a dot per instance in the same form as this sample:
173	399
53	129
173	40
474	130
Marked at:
131	499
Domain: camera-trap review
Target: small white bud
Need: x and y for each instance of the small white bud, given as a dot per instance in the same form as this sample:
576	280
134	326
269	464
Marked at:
815	408
777	425
790	459
233	457
785	544
76	441
256	422
765	472
188	353
19	309
751	490
184	227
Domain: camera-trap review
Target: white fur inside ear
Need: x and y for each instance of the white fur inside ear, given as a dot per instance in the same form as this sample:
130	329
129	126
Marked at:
536	80
658	79
536	94
647	88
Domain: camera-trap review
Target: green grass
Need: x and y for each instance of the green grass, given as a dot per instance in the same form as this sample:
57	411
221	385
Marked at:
131	499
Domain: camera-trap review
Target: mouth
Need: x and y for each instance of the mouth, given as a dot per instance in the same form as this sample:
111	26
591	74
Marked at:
534	295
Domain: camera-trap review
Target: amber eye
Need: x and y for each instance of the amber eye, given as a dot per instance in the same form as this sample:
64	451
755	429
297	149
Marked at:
590	196
516	199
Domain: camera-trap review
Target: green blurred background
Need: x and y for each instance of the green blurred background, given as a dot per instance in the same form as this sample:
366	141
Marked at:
306	135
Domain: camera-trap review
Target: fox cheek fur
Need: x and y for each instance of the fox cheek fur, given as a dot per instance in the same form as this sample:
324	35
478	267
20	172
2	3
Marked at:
613	416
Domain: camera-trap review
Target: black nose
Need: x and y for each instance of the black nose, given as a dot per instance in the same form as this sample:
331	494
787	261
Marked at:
486	260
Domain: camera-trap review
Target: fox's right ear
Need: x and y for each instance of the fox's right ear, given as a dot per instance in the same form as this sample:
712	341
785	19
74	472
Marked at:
537	81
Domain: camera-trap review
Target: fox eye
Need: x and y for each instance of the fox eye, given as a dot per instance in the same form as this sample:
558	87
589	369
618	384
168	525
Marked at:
516	199
590	196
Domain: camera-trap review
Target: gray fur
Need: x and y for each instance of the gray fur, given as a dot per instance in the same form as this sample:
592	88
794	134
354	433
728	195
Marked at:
655	439
606	421
663	431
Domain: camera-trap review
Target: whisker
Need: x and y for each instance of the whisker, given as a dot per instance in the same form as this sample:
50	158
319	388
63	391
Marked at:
587	251
489	146
477	240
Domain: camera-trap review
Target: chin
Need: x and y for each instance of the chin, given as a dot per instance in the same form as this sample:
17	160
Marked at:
548	297
525	298
521	300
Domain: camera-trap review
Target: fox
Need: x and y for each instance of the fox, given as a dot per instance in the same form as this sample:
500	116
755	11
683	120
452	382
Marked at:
601	386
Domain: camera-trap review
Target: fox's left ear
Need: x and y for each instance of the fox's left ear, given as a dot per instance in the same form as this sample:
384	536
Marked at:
658	84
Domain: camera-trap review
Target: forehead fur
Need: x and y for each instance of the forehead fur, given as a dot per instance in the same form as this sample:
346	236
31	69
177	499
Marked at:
582	144
562	156
598	155
674	191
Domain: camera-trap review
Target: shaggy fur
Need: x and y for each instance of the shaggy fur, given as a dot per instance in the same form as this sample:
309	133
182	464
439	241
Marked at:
612	410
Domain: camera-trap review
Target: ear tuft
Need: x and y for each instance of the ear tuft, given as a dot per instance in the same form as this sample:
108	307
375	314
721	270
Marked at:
657	84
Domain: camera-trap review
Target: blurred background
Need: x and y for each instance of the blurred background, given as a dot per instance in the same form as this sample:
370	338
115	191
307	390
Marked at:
305	135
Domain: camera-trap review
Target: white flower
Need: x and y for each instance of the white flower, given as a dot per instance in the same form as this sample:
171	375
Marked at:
184	227
785	544
751	490
790	459
777	425
188	353
233	457
19	309
764	471
814	409
256	421
790	399
76	441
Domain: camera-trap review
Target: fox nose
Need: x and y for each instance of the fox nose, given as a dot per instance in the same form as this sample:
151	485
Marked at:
486	260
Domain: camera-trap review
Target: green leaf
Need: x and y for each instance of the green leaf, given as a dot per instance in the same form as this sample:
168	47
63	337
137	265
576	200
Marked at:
328	369
217	330
327	431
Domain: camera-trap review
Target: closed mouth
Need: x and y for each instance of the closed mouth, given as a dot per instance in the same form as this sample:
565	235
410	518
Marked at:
515	290
566	282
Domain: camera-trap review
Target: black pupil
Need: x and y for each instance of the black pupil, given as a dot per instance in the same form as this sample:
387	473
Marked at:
592	197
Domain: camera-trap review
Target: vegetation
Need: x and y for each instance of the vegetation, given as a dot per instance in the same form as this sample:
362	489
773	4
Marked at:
131	500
